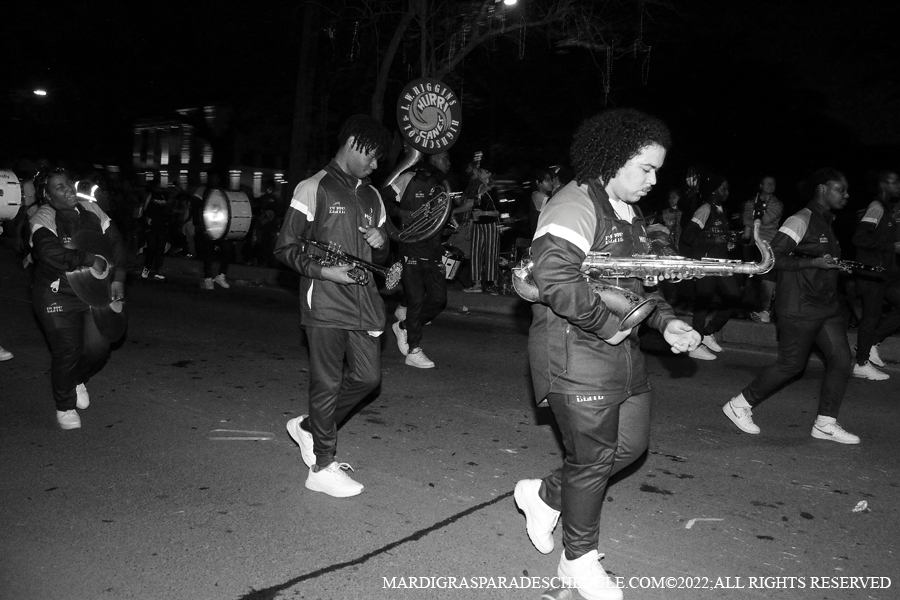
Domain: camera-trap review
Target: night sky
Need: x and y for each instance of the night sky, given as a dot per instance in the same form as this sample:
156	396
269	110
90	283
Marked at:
764	86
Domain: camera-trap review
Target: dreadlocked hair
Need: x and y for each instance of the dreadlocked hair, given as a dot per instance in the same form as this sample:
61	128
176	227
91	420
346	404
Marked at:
41	179
605	142
367	133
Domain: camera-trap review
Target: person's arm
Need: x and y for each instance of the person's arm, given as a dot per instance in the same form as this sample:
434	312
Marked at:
864	235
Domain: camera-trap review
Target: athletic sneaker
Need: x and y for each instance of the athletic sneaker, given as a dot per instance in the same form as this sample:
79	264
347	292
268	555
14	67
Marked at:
158	277
834	432
417	358
868	371
474	288
84	399
68	419
145	273
874	357
400	333
333	480
400	312
701	352
762	316
710	342
220	279
5	355
740	416
540	519
588	576
207	284
303	438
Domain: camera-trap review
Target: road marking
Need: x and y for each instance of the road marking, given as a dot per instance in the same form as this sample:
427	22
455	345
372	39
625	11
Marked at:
692	521
240	435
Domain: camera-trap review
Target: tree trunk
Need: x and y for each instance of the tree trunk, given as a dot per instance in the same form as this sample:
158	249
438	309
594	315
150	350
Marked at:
303	100
385	68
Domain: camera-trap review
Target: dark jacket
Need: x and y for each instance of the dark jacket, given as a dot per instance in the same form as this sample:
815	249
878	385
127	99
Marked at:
329	207
565	345
805	292
51	236
874	238
707	232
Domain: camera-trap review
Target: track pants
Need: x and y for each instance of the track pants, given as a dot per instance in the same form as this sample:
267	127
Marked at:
873	327
600	440
333	392
425	293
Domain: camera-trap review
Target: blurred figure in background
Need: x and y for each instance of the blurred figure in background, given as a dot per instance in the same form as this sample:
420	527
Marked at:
485	223
542	184
768	209
156	234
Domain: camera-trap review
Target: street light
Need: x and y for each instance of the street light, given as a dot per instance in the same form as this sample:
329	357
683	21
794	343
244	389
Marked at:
40	92
510	2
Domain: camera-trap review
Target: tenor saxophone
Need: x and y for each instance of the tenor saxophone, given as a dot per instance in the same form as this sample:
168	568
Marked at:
629	306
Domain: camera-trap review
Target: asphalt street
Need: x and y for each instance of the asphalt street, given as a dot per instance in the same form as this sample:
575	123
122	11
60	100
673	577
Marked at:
183	483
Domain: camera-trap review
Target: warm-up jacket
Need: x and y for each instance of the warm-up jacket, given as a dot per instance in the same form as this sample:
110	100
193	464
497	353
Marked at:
706	233
565	345
874	238
805	292
328	207
51	236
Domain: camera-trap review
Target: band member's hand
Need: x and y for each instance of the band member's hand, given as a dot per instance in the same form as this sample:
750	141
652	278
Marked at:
374	236
477	213
824	262
619	337
338	274
681	336
100	265
117	290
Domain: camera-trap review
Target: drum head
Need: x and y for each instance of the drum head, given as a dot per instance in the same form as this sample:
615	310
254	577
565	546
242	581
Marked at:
10	195
216	214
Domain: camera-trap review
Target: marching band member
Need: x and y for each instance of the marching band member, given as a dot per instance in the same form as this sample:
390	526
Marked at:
810	309
590	371
424	284
77	347
342	319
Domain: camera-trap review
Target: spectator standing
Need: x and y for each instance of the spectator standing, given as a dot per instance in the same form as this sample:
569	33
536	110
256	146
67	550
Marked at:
876	244
589	369
543	184
768	209
810	310
707	236
343	319
485	223
156	234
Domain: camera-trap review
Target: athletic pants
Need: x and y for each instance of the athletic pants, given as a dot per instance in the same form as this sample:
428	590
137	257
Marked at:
333	392
600	440
710	317
873	328
425	292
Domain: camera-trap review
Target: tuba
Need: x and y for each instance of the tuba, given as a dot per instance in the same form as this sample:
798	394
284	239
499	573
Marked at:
427	220
650	268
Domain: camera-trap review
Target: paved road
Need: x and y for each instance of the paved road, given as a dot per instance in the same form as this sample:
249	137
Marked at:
147	502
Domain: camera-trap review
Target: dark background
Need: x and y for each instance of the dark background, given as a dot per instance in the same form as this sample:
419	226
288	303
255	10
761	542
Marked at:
748	88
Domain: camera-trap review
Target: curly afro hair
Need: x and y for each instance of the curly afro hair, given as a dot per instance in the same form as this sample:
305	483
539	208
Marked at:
605	142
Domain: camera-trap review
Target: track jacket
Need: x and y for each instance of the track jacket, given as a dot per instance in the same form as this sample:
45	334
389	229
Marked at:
806	292
565	345
329	207
874	239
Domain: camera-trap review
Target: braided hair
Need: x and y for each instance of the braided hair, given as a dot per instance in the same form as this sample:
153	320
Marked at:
605	142
368	135
42	179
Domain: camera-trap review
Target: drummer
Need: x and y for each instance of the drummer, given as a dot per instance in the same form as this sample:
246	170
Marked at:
424	284
78	350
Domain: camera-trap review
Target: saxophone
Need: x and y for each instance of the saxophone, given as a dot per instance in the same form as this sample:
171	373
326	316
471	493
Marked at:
629	306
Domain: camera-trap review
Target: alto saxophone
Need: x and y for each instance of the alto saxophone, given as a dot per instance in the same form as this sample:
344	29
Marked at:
629	306
330	255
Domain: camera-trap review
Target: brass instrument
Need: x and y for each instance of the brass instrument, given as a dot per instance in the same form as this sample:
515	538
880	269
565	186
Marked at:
650	268
330	255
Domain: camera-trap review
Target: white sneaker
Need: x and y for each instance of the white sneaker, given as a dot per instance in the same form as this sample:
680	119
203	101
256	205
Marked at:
417	358
303	438
868	371
5	354
333	480
834	432
740	416
762	316
874	357
701	352
220	279
473	289
145	273
68	419
540	519
400	333
400	312
208	284
84	399
710	342
586	574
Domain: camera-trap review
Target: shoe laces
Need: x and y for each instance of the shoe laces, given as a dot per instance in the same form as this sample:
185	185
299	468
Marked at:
339	471
743	413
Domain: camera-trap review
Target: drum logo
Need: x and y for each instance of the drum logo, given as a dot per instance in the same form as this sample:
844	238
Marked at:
429	115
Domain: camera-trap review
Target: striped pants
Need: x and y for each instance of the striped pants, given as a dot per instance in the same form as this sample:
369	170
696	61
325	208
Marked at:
485	251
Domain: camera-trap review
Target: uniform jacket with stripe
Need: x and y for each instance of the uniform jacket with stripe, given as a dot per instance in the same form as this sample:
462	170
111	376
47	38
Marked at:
805	292
565	344
328	207
874	237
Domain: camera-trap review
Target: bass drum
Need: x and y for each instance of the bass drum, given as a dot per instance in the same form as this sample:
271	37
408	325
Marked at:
451	258
226	214
10	195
